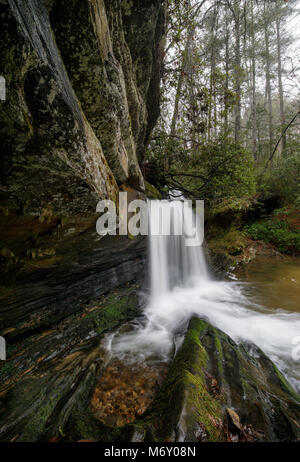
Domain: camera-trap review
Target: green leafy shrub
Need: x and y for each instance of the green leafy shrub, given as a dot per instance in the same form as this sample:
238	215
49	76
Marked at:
282	178
281	230
213	171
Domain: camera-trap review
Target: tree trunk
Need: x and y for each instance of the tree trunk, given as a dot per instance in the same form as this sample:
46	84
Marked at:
280	85
212	76
253	104
226	112
238	108
268	80
179	86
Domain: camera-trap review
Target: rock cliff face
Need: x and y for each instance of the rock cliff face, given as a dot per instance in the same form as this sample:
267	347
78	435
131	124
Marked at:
82	81
82	98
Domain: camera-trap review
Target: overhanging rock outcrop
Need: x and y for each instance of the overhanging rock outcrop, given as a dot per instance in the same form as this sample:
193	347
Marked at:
82	99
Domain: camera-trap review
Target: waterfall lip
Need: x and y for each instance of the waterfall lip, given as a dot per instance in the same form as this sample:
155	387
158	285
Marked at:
175	194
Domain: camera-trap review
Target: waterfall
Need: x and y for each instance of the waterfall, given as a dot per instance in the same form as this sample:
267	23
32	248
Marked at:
172	262
181	287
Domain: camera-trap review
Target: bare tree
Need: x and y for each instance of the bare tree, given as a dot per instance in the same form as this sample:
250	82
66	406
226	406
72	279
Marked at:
268	74
280	84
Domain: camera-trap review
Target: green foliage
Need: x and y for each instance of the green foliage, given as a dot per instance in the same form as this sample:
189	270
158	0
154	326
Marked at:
283	178
230	242
151	191
282	230
127	6
212	171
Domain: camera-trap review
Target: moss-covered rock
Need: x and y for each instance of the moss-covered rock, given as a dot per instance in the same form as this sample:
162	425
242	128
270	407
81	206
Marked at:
81	101
50	154
225	239
83	37
50	376
151	191
213	379
138	27
233	236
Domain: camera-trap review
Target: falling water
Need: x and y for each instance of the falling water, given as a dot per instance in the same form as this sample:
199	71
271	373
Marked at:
173	263
181	287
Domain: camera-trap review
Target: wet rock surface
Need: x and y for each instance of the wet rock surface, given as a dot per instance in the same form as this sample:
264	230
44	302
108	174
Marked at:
51	156
54	327
217	390
87	267
62	385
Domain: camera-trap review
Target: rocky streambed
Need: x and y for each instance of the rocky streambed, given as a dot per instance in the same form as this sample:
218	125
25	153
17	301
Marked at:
60	382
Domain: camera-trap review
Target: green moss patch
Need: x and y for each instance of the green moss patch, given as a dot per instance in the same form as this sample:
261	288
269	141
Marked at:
152	192
185	392
213	378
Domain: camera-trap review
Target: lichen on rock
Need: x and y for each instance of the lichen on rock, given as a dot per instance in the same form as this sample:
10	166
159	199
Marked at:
76	120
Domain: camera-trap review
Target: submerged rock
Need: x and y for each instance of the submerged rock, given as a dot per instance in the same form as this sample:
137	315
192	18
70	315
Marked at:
125	391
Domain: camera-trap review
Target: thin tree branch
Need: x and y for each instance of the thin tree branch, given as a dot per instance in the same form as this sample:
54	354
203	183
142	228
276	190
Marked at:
279	140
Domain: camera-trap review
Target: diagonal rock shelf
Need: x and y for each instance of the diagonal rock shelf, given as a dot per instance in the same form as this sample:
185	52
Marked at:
88	268
50	373
53	322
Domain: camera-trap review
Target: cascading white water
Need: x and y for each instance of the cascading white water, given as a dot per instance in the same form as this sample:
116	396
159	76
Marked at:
181	287
172	262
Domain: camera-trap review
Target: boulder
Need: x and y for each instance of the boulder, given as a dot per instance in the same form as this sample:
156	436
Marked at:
218	390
